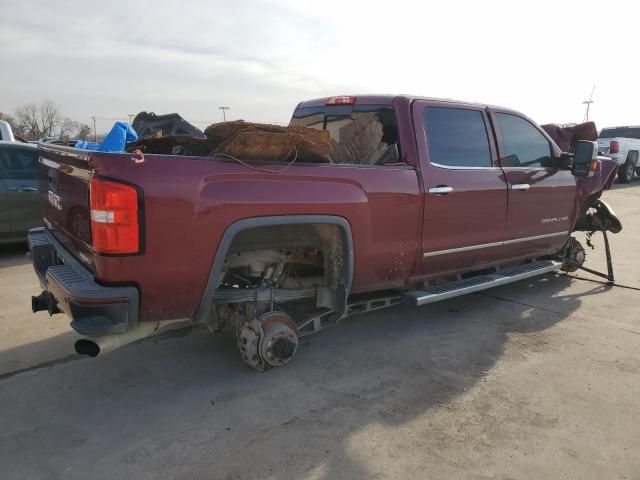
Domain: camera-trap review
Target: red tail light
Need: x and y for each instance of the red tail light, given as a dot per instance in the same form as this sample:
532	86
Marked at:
114	217
614	147
343	100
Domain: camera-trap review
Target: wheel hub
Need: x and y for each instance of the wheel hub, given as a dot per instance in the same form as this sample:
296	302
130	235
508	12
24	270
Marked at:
280	340
574	257
271	340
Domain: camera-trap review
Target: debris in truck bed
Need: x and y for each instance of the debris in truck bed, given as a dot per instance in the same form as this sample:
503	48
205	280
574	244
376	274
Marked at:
148	124
246	141
173	145
116	140
263	142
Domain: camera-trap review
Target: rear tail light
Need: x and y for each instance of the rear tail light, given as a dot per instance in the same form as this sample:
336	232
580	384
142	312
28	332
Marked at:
115	225
614	147
343	100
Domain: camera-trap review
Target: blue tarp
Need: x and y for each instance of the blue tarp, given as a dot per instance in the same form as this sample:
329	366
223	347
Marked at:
116	140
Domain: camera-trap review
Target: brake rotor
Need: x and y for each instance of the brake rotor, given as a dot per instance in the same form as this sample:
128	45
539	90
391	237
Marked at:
271	340
575	256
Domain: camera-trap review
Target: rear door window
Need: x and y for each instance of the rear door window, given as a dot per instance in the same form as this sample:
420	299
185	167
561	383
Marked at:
457	137
523	145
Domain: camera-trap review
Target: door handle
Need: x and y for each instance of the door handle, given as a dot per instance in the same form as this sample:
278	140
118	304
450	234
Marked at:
441	190
520	186
23	188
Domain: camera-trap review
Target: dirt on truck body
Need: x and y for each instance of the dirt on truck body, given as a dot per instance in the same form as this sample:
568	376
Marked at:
278	232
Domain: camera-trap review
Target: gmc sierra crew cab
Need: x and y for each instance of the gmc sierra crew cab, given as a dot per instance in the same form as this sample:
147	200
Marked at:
419	199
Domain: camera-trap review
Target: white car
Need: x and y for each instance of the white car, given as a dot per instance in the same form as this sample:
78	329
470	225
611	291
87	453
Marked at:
6	134
623	145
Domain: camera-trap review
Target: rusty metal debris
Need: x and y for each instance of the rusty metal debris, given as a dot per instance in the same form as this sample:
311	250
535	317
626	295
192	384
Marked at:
567	135
246	141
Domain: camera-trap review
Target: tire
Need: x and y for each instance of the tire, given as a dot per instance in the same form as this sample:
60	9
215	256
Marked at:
627	171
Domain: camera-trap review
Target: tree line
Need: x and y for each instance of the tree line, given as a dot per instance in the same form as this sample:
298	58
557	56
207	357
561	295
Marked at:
45	121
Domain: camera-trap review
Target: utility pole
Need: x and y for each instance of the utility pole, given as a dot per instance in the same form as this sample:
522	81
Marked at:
224	109
131	115
95	134
588	104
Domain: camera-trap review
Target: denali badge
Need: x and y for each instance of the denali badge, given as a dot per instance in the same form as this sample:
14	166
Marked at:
55	200
554	219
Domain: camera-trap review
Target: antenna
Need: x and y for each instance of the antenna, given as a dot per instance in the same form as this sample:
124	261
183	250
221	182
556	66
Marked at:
588	104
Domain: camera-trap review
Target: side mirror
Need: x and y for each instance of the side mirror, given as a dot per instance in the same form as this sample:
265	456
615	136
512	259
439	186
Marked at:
564	162
585	159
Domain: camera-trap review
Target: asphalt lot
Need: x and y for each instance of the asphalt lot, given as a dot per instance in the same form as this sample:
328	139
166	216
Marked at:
539	379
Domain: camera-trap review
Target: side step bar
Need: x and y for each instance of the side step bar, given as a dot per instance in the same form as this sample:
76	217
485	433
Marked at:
444	291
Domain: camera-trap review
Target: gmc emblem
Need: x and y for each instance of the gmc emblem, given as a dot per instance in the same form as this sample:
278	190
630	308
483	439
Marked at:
54	200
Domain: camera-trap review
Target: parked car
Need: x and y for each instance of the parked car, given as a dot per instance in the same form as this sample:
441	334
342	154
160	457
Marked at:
422	199
6	133
622	144
21	203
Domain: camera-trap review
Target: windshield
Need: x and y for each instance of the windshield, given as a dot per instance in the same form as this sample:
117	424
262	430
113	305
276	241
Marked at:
360	134
625	132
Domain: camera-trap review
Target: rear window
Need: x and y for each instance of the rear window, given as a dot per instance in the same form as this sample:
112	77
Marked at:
625	132
360	134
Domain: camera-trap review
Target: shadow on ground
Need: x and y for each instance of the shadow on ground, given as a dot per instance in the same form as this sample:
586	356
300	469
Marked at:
624	186
188	407
13	255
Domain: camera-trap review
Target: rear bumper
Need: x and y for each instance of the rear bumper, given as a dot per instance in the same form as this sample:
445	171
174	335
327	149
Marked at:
94	309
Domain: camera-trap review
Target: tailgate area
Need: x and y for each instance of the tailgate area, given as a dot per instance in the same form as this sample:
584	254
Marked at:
94	309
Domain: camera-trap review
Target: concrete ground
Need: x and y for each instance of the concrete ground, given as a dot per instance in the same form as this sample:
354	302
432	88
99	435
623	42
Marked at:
539	379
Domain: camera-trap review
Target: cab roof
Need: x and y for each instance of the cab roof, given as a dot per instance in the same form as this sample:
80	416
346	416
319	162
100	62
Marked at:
386	99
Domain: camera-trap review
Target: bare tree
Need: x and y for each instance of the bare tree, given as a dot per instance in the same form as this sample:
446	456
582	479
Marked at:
27	122
84	131
67	129
43	121
9	119
51	118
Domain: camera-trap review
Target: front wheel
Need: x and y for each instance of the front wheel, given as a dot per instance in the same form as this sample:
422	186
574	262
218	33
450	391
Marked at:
627	171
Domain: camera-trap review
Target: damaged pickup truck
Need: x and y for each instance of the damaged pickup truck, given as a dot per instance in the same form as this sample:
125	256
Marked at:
377	200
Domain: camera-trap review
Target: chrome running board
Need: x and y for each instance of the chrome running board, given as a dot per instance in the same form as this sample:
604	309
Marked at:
444	291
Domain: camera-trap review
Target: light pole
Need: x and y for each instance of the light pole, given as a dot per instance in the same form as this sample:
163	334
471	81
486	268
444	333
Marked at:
95	134
224	116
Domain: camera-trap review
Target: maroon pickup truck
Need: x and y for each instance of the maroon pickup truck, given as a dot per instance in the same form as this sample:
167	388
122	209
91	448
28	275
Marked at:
420	199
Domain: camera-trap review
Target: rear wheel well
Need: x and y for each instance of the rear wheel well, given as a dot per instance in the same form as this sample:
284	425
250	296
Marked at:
315	248
263	265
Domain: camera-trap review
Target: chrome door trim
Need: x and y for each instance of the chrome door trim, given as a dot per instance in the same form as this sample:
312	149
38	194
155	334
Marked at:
536	237
463	249
494	244
461	167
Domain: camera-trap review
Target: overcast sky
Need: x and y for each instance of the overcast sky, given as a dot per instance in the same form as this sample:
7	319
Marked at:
262	57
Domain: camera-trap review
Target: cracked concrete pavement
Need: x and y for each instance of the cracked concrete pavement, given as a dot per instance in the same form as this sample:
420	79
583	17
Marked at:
538	379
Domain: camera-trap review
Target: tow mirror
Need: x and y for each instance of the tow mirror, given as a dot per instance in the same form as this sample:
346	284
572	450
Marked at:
585	160
564	162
